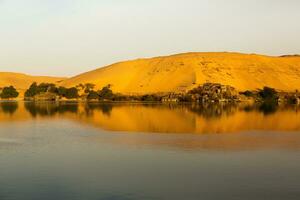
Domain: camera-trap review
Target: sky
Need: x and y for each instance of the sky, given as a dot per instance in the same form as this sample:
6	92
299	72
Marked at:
68	37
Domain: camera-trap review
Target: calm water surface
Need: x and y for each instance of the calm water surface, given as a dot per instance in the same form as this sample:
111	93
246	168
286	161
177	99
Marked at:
153	151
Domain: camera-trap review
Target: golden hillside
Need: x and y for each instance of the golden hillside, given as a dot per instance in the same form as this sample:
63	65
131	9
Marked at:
23	81
184	71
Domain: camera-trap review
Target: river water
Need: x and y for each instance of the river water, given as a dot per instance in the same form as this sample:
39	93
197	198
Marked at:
148	151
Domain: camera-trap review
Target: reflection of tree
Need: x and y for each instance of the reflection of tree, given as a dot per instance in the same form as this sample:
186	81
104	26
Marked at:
52	108
105	108
9	107
49	109
208	111
218	110
72	108
268	108
213	110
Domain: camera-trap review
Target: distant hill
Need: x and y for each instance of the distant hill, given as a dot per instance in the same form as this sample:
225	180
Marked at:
23	81
182	72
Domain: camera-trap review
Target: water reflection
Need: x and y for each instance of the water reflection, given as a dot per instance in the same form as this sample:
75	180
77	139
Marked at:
268	108
105	108
9	107
161	118
49	109
60	151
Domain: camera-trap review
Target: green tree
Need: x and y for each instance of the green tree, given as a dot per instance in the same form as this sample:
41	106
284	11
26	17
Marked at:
32	91
62	91
45	87
92	95
106	93
72	93
35	89
53	89
80	86
9	92
88	87
268	94
149	98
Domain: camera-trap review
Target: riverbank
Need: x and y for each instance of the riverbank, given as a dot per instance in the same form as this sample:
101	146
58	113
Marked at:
202	94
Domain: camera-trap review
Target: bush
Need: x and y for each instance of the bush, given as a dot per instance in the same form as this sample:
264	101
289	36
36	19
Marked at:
32	91
46	87
36	89
268	94
71	93
148	98
9	92
62	91
88	87
106	93
92	95
292	99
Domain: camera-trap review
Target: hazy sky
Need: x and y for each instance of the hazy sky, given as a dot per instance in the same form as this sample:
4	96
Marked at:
67	37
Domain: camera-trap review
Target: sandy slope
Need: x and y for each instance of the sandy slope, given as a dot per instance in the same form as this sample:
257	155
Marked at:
23	81
184	71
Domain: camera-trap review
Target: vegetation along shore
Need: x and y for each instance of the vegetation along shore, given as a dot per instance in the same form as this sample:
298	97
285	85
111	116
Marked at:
205	93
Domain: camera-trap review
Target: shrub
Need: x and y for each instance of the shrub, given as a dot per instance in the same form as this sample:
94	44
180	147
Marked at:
62	91
32	91
292	99
92	95
268	94
9	92
88	87
71	93
149	98
106	93
36	89
45	87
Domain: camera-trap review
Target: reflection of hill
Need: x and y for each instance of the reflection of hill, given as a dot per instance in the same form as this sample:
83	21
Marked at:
159	118
175	118
171	118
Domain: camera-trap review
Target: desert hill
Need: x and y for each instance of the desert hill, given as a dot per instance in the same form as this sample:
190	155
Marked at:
23	81
182	72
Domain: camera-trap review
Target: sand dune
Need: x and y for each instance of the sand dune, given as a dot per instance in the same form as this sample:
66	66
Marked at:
182	72
23	81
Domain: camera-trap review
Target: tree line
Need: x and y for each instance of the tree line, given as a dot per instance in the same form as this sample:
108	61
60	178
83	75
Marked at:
207	92
87	90
37	89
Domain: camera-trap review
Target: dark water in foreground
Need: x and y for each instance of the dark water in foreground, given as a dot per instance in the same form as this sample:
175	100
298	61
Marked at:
135	151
